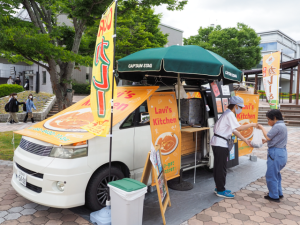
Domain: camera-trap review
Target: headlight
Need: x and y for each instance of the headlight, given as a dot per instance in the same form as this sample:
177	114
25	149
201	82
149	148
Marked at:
68	153
60	185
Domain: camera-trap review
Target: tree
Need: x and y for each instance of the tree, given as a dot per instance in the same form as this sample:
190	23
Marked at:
45	42
239	45
136	30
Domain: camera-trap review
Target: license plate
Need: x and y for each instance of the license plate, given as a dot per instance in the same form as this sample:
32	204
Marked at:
22	177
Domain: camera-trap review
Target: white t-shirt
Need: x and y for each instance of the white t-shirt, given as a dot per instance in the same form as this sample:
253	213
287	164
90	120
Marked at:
224	127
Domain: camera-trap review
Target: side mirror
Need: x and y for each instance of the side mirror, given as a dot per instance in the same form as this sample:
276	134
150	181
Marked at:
145	117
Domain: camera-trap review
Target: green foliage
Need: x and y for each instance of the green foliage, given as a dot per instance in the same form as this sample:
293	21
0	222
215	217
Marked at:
7	89
137	29
6	146
239	45
44	38
53	45
81	88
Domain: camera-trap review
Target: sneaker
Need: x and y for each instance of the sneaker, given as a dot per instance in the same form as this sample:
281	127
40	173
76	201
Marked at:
228	191
271	199
224	194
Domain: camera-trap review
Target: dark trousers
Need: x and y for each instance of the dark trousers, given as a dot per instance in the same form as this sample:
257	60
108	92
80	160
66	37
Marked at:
25	119
220	166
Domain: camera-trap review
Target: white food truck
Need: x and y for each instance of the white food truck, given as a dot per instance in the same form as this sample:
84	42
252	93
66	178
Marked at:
65	176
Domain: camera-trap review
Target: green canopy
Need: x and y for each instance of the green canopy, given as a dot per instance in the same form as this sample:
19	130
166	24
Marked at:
189	61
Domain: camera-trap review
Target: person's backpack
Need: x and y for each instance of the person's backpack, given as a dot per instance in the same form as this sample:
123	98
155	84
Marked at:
6	107
24	107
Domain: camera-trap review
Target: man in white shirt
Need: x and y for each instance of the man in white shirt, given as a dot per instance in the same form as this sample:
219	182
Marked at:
224	127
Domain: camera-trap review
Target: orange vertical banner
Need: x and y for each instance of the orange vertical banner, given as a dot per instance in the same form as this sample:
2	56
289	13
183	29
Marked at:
271	65
101	84
248	115
165	130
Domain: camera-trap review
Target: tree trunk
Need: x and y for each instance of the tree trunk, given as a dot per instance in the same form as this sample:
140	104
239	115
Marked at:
61	83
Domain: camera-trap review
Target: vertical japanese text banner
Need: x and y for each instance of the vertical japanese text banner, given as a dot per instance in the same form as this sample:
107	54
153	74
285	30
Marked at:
248	115
271	65
101	84
165	131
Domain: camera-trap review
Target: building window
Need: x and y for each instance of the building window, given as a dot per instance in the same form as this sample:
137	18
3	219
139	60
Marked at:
87	77
272	46
287	51
44	77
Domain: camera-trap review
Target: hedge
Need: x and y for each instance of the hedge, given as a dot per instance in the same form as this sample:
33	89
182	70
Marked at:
7	89
81	88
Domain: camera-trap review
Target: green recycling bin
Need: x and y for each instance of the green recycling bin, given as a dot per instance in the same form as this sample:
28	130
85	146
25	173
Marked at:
127	201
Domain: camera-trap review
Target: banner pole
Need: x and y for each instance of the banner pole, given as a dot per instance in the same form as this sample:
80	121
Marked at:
280	89
112	98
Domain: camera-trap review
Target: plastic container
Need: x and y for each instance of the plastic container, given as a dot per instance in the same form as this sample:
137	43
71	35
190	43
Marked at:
127	201
101	217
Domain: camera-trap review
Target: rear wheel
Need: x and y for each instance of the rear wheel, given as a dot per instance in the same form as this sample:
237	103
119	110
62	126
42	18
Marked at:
97	189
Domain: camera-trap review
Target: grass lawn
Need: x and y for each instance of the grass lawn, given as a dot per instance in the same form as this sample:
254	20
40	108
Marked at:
39	100
6	146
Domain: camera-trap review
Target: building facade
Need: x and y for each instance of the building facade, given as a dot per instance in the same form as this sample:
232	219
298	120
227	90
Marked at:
175	35
273	41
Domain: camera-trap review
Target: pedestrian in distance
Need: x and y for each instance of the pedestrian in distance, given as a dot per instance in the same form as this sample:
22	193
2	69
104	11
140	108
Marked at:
9	120
18	81
29	106
13	108
10	80
277	153
223	129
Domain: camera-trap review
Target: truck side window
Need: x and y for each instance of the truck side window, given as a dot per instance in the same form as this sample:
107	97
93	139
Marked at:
143	109
129	121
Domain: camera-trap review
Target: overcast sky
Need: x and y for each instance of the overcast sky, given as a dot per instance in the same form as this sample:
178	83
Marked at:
261	15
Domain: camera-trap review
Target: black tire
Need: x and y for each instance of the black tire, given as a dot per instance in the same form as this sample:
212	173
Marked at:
97	190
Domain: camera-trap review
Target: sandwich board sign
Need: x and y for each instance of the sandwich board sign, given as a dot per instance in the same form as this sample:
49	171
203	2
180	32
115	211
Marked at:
154	164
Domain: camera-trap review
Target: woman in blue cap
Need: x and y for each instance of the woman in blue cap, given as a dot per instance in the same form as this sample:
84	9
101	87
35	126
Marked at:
277	154
224	127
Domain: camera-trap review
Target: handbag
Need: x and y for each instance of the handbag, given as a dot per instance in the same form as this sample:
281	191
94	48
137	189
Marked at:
230	141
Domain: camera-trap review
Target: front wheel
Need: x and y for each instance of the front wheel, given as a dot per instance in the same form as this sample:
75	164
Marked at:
97	189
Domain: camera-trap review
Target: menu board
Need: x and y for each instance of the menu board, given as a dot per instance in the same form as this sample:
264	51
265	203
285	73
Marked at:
215	89
225	103
219	105
225	90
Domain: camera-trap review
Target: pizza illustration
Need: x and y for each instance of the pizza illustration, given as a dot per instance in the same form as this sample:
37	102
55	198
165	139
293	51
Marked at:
71	121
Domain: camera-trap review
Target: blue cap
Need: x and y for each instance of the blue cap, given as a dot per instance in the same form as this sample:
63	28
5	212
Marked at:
236	100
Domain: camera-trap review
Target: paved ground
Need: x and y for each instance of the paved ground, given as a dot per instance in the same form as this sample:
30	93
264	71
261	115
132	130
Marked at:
13	127
249	206
14	209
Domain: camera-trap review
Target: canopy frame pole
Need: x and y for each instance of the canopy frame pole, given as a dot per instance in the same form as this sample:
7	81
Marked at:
178	81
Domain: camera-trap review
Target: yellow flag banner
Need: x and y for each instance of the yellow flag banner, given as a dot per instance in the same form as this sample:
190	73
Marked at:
248	115
101	84
271	65
165	130
64	128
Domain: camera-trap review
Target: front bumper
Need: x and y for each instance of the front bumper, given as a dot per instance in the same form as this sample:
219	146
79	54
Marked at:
42	189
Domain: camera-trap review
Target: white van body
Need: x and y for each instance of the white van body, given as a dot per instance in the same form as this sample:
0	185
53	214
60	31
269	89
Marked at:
131	144
130	148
